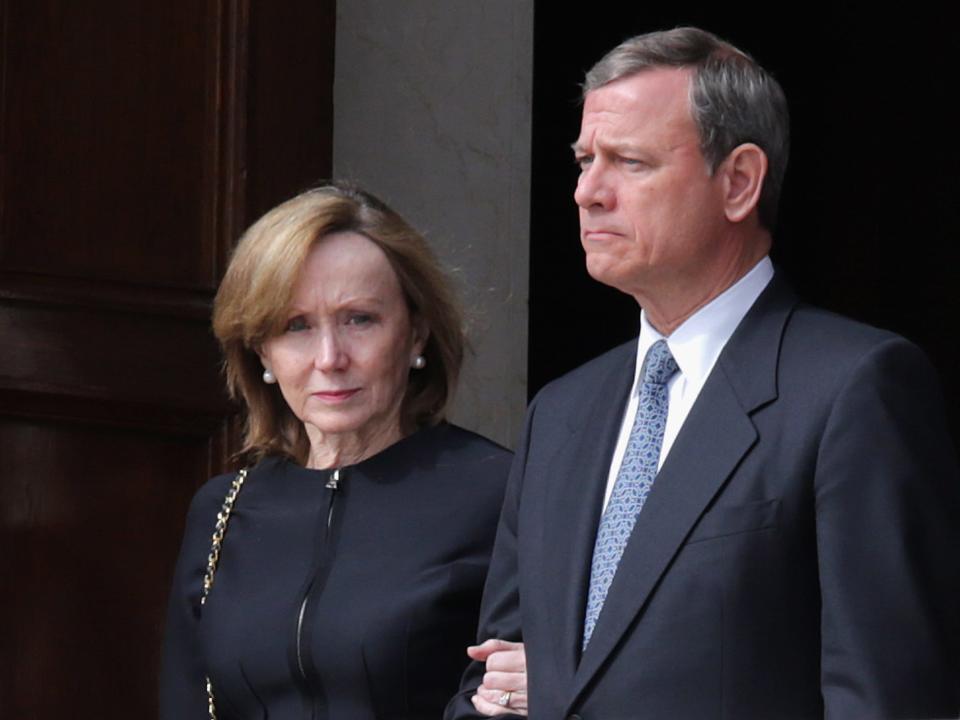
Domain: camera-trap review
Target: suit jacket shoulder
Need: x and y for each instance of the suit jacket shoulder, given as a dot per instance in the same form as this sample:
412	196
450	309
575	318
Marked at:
570	393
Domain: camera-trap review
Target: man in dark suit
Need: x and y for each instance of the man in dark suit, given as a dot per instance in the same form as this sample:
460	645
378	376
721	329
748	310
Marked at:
752	510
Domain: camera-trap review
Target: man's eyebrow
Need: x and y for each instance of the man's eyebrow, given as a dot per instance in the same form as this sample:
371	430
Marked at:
614	147
623	147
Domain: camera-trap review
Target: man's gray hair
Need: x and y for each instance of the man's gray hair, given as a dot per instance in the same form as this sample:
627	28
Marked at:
732	99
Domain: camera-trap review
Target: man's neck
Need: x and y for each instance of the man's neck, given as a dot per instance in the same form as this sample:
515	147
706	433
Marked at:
668	307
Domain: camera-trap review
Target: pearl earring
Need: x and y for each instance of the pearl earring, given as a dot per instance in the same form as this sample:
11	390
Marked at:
419	362
269	378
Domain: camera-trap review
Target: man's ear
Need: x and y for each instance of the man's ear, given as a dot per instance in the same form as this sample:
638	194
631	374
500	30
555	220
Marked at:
744	171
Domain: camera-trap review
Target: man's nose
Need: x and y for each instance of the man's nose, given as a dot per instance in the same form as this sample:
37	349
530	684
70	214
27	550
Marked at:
330	353
593	188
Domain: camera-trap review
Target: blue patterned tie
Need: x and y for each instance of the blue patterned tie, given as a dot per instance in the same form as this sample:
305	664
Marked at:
634	479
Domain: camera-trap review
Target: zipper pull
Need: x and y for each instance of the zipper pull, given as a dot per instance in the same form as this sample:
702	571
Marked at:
334	482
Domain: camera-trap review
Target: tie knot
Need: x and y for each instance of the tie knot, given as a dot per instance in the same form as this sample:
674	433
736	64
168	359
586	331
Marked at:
659	365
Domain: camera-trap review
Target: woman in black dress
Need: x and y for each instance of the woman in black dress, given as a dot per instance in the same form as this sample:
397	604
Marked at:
348	580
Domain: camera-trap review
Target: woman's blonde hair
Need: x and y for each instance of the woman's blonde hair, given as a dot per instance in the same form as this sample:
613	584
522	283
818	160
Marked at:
253	300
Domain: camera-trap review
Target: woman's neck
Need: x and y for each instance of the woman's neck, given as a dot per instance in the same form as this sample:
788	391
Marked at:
331	450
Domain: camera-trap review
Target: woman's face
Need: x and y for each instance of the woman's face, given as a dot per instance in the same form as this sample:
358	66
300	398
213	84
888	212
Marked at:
343	359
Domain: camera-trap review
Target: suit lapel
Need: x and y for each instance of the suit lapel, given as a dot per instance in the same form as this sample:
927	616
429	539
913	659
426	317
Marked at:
576	479
716	435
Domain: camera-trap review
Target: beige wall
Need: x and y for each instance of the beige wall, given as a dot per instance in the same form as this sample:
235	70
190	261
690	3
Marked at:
432	113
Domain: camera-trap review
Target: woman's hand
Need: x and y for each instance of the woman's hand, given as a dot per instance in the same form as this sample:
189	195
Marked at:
504	688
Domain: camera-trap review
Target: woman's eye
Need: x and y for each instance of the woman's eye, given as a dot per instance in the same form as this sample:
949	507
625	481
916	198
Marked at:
360	319
296	324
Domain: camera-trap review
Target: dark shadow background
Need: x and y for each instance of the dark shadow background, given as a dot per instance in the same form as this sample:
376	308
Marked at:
869	221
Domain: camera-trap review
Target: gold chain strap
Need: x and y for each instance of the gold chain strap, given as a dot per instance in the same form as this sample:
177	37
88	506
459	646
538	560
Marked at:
214	557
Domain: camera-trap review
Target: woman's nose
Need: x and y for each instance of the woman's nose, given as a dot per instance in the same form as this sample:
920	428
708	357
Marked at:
330	353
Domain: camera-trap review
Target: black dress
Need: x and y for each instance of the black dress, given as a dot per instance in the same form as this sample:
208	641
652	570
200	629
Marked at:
349	603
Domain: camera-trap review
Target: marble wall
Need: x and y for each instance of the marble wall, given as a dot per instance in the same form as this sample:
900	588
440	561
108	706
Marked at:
432	113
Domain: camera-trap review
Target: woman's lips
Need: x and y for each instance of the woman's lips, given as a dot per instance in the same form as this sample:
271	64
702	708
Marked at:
335	396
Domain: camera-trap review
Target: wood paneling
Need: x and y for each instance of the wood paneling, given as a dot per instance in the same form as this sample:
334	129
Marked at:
136	141
88	516
110	141
110	354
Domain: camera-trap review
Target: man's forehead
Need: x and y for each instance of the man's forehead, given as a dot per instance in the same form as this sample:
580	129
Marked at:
653	88
658	97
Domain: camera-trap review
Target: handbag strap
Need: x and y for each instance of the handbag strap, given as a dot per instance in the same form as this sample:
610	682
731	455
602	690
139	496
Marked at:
219	530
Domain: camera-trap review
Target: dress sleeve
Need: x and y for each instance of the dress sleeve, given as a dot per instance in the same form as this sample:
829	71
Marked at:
888	539
500	608
183	694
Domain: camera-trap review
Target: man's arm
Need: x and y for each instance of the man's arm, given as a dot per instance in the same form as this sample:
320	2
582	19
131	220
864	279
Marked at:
888	543
500	609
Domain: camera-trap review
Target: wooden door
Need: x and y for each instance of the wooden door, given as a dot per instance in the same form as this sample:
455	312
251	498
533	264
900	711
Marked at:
136	141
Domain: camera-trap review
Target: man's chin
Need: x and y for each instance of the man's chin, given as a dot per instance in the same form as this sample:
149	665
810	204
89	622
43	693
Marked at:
609	272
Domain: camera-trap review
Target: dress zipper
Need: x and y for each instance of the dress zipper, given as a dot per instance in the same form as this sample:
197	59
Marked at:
333	484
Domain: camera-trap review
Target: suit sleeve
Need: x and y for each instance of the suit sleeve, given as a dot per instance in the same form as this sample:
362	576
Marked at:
183	694
888	543
500	608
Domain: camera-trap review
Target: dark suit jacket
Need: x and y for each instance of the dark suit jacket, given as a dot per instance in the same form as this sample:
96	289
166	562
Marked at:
797	557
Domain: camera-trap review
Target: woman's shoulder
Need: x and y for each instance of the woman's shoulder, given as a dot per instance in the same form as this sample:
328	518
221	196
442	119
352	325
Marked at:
443	456
210	495
455	440
450	449
455	468
202	513
465	462
209	498
207	503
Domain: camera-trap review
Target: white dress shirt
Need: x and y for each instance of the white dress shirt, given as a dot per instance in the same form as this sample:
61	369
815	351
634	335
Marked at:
695	345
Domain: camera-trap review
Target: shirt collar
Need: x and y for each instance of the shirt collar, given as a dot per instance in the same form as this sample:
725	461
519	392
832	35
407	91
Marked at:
697	343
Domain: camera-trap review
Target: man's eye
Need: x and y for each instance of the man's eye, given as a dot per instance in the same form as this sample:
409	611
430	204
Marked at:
583	161
296	324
